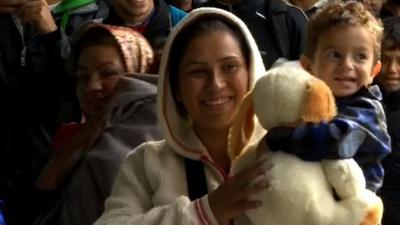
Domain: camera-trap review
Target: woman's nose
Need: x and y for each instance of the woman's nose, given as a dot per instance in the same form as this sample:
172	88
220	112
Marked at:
217	79
94	83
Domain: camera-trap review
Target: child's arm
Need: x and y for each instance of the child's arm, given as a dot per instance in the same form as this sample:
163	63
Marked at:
359	128
315	141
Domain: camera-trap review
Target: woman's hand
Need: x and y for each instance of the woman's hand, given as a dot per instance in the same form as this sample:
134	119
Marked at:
9	6
232	198
37	12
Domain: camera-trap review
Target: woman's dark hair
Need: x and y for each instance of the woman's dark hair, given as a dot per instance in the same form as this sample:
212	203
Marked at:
202	26
87	37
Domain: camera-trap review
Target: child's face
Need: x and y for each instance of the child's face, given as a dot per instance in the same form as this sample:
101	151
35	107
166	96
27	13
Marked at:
344	59
390	74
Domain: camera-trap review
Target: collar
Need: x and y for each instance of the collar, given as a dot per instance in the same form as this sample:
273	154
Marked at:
372	91
144	22
114	19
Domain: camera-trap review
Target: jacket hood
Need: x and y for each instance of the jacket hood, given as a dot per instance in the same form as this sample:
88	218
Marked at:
130	89
178	131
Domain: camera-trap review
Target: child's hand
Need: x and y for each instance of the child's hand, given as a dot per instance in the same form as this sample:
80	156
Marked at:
37	12
278	138
232	198
9	6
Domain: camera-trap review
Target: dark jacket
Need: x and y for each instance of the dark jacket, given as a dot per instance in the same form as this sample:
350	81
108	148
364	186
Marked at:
159	26
390	191
358	131
33	85
279	29
130	121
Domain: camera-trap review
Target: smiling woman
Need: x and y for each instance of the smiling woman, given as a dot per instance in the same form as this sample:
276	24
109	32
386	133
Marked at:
119	105
209	63
210	77
101	54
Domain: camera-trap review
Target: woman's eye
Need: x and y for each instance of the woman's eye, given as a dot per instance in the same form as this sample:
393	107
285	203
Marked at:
230	67
197	72
108	73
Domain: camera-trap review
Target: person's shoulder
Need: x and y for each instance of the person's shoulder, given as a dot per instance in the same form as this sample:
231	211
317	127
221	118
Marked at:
152	147
293	13
392	100
296	14
134	88
154	151
366	101
176	14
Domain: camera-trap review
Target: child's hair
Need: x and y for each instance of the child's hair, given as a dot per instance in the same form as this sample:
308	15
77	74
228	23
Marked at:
391	35
339	14
202	26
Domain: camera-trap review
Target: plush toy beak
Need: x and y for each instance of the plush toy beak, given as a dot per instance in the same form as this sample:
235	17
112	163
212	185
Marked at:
320	103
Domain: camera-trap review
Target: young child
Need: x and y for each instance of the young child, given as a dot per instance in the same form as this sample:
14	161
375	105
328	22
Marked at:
343	49
389	82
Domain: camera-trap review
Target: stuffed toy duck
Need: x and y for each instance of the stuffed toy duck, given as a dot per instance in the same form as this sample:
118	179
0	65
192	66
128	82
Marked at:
330	192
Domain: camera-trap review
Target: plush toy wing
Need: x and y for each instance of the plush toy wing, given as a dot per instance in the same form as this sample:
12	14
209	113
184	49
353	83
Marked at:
242	127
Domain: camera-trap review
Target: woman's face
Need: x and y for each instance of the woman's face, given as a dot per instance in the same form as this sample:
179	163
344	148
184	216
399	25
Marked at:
133	10
99	69
213	79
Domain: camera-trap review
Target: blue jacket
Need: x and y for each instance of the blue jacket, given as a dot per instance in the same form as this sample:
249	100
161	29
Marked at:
358	131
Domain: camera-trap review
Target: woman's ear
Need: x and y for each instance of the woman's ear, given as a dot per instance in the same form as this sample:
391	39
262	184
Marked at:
305	62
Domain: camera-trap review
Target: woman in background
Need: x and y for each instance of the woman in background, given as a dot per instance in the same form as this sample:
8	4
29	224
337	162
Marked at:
119	107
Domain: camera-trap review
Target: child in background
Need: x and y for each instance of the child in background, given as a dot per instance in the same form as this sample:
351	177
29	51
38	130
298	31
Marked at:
343	49
389	81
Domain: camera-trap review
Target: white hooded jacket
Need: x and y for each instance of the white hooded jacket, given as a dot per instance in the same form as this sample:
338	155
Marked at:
151	187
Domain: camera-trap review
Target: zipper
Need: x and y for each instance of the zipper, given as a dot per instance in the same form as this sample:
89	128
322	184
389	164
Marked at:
21	32
24	44
215	167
